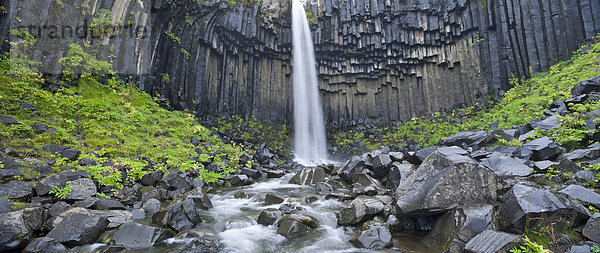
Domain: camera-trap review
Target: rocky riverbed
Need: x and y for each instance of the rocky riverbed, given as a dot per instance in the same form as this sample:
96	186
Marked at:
467	194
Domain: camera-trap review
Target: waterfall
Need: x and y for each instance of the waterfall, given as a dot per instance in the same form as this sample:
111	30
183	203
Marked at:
310	144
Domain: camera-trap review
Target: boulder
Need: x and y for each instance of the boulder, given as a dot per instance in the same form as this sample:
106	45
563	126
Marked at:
397	173
376	236
309	176
419	156
82	188
17	228
151	206
240	180
151	179
115	217
585	175
71	154
353	166
456	227
272	199
148	192
381	164
361	209
176	179
396	156
446	179
592	228
178	216
547	124
527	205
197	241
16	190
45	245
582	154
543	149
580	249
465	138
44	186
78	228
292	225
505	166
132	236
490	241
586	86
201	199
269	216
40	128
582	194
108	204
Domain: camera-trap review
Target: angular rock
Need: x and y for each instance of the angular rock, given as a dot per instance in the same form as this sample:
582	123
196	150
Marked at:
16	190
380	165
455	228
44	186
40	128
137	236
580	249
17	228
582	194
178	216
82	188
196	241
376	236
271	199
292	225
5	205
309	176
45	245
108	204
360	209
547	124
86	162
528	205
138	214
269	216
465	138
151	179
115	217
419	156
151	206
506	167
148	192
239	180
175	179
71	154
585	175
79	229
543	149
355	165
446	179
201	200
586	86
396	156
492	241
592	228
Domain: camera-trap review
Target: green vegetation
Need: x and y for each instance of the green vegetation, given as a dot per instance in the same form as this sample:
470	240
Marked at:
312	17
527	100
62	192
101	23
108	120
173	37
529	247
276	137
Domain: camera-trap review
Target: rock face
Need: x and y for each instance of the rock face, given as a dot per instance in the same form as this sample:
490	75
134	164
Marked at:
446	178
235	59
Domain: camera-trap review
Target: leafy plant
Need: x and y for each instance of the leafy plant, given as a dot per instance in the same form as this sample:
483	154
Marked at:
62	192
595	249
529	247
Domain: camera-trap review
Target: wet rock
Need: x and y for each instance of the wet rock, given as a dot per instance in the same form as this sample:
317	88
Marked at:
492	241
200	242
288	208
17	228
8	120
5	205
16	190
239	180
592	228
44	186
271	199
323	187
137	236
582	194
178	216
528	205
375	236
175	179
380	165
201	200
446	179
151	206
543	149
115	217
506	167
309	176
292	225
79	229
274	173
44	245
148	192
586	86
269	216
250	172
455	228
361	209
81	189
353	166
465	138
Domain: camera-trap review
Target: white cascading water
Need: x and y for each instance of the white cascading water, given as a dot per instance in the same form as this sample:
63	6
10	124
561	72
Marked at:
310	144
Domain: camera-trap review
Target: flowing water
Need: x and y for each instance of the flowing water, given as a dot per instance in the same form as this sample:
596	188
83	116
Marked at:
310	144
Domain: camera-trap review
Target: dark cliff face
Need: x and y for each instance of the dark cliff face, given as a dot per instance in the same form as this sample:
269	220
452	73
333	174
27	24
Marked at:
382	60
